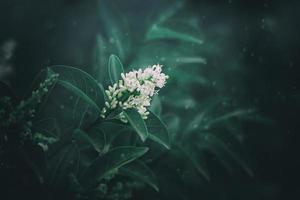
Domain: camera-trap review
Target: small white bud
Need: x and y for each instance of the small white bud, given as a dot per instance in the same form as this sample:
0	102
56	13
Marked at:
120	94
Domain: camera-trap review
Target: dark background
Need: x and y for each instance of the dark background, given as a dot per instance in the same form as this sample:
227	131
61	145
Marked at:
265	37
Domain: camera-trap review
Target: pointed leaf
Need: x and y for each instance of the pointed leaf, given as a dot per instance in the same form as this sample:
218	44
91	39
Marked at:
115	68
137	122
48	126
115	28
158	131
98	137
160	32
140	171
100	57
223	152
200	164
82	81
79	93
111	161
173	124
170	11
94	140
63	164
156	106
111	131
227	116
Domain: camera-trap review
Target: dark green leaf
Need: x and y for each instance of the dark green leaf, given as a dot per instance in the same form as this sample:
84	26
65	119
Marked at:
170	11
75	101
137	123
111	131
160	32
156	106
140	171
81	81
173	123
197	159
227	116
35	158
111	161
115	28
91	139
48	126
158	132
100	57
79	93
223	152
68	110
63	164
115	68
99	139
113	114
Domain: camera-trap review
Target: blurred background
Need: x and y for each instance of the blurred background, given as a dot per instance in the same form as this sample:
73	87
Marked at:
233	68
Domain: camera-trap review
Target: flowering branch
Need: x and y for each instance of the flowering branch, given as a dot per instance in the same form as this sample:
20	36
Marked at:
134	90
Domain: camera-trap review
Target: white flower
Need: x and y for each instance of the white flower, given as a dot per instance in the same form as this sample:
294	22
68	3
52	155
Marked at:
135	91
147	89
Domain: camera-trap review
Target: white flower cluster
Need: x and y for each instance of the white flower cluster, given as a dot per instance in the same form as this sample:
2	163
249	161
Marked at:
135	91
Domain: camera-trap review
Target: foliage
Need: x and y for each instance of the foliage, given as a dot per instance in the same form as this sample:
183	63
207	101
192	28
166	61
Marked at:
204	120
80	153
73	153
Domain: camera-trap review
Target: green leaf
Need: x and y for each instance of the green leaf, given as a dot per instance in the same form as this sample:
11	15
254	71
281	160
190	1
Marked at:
223	152
227	116
48	126
159	32
189	77
170	11
137	123
98	137
115	29
115	68
173	124
81	81
113	114
100	57
172	54
197	159
111	161
158	131
111	131
76	99
138	170
68	109
79	93
156	106
63	164
95	140
34	157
